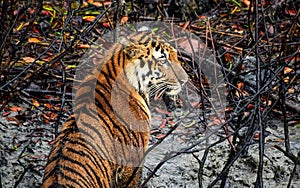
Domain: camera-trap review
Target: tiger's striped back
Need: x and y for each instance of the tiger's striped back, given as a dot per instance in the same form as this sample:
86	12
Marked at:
104	141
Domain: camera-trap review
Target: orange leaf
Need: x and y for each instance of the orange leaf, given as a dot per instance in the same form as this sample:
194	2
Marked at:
28	59
228	57
35	30
53	116
124	19
34	40
280	140
48	105
83	46
45	117
291	90
13	120
240	86
246	2
97	4
287	70
89	18
35	102
16	108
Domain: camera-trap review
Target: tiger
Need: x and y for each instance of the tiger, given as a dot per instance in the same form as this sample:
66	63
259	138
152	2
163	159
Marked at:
104	141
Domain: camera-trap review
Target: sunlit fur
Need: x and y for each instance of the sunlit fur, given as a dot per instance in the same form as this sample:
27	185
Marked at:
106	138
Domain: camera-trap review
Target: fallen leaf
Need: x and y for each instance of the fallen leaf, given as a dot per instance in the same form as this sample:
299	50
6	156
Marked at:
124	19
28	59
287	70
291	90
45	117
256	136
291	12
52	142
16	108
5	114
162	111
35	102
246	2
160	136
89	18
83	46
163	124
280	140
106	25
13	120
48	105
34	40
250	106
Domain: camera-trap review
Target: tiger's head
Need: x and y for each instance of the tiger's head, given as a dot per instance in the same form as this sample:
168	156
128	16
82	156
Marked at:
154	68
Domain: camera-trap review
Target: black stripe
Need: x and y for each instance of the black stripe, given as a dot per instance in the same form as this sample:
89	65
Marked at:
113	63
99	84
94	149
93	160
104	110
99	148
107	78
85	110
57	185
120	58
72	179
123	123
57	170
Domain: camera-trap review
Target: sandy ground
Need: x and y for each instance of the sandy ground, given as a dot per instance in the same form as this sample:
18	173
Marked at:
25	146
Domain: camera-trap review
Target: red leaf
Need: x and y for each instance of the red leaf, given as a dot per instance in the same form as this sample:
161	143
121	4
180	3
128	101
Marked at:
160	136
5	114
163	124
106	25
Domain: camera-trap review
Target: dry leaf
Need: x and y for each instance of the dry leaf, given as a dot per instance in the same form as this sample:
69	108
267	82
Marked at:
16	108
89	18
106	24
246	2
35	102
250	106
13	120
5	114
28	59
291	90
34	40
163	124
124	19
83	46
48	105
160	136
287	70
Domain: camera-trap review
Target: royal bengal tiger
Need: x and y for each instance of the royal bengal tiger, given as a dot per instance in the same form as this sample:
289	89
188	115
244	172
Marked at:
103	143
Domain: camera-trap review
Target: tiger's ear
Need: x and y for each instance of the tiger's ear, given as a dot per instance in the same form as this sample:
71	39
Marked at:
134	51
